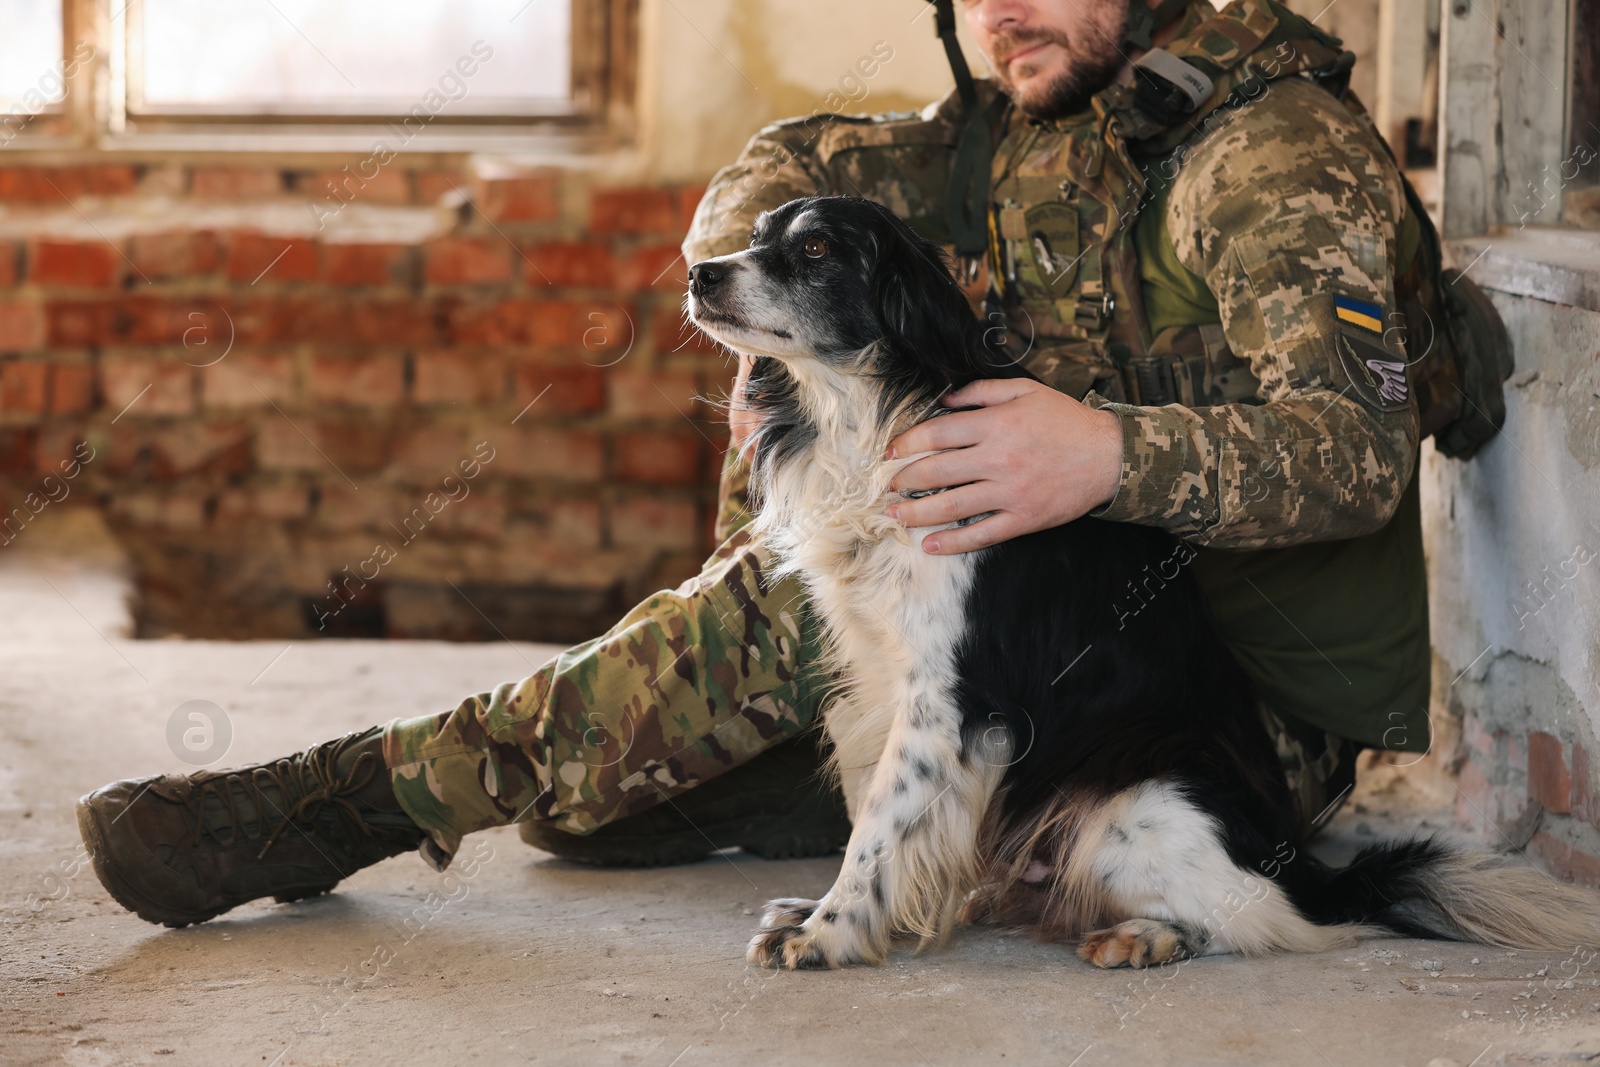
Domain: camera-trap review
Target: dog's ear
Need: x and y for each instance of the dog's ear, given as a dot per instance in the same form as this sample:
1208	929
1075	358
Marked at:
925	315
922	309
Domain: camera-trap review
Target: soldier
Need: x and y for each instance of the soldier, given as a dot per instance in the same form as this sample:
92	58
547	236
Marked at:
1196	240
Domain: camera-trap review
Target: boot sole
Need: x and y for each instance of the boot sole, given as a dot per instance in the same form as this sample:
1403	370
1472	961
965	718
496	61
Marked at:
653	852
789	847
151	911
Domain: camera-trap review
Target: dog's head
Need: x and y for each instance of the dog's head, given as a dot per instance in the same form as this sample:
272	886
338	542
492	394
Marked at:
844	282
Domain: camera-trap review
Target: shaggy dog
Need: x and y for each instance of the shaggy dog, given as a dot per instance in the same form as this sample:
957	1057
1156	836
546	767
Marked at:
1010	746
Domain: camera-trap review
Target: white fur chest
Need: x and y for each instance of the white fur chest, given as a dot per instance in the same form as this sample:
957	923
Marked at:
893	615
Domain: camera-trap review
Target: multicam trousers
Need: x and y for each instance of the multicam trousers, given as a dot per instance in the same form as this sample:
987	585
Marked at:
690	683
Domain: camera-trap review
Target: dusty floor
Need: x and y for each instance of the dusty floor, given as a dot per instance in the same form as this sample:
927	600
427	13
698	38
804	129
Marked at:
537	962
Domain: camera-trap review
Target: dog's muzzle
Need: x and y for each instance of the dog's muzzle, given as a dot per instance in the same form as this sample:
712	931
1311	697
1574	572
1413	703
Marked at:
703	277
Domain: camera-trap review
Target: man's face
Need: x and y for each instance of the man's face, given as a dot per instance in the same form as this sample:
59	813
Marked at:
1051	55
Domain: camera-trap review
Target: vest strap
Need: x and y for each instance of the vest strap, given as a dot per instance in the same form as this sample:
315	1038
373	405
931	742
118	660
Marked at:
1096	303
967	199
1144	20
944	24
1169	88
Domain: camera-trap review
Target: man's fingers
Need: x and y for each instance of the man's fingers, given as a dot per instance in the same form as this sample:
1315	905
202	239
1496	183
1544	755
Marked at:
1001	526
987	392
940	470
742	421
952	505
956	430
961	428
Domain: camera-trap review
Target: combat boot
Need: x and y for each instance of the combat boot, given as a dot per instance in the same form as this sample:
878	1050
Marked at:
181	849
779	805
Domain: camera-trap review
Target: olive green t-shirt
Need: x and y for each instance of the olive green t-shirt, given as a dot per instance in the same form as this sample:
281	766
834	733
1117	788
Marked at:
1334	633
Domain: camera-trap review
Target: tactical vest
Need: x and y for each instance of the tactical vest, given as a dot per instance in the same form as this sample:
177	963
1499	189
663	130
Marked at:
1061	249
1065	196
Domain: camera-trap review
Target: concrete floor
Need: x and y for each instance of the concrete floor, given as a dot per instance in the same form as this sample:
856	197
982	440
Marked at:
540	962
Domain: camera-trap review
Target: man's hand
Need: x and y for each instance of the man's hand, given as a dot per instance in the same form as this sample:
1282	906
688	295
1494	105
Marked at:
1035	457
741	420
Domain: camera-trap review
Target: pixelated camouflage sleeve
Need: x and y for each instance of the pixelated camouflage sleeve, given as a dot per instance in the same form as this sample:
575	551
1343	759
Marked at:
900	159
776	166
1289	213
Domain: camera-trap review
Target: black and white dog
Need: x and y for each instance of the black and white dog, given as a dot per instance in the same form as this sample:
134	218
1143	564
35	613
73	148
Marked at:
1134	803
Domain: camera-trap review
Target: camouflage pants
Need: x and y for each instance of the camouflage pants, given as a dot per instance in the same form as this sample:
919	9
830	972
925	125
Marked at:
690	683
1320	767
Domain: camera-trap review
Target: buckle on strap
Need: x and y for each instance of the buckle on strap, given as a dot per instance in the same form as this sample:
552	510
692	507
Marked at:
1093	310
1168	87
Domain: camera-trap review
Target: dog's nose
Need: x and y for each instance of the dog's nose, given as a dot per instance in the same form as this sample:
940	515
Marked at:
703	276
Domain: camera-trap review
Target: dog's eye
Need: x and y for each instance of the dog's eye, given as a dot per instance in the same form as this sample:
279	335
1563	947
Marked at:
815	248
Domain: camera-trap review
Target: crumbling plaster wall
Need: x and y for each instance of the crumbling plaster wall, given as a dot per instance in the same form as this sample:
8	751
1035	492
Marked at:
712	72
1514	562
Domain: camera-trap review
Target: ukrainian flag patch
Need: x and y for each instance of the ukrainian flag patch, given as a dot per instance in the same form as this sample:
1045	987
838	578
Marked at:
1359	313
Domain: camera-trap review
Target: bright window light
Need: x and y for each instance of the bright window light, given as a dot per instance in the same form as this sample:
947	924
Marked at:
30	55
347	56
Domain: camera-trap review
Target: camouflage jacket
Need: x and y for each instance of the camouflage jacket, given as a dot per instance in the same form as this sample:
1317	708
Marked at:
1270	241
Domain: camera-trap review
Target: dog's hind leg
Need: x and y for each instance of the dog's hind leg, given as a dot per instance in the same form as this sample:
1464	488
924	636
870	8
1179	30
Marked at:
911	856
1159	868
1144	943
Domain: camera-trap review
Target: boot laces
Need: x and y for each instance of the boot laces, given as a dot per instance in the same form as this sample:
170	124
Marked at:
306	783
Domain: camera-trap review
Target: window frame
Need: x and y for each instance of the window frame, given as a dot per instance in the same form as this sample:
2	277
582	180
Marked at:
96	112
54	124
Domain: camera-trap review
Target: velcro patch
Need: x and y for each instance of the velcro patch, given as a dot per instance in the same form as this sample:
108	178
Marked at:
1359	313
1376	375
1053	245
1013	223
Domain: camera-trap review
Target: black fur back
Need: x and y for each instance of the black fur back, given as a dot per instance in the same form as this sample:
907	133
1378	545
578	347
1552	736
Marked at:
1100	698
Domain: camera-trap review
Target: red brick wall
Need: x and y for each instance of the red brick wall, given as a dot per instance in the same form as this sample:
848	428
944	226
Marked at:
265	408
1532	792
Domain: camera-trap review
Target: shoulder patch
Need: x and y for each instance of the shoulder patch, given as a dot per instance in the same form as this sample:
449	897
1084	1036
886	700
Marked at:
1376	375
1359	313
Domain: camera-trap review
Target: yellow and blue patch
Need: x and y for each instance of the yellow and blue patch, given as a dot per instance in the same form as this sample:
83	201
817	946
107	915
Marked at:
1359	313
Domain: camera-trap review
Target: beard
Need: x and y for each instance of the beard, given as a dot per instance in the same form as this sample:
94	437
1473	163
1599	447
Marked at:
1088	70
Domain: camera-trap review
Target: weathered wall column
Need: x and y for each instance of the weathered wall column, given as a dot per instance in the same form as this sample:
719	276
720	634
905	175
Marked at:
1514	535
1505	89
1514	564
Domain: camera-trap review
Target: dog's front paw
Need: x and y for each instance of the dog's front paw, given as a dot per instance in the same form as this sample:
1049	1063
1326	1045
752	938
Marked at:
786	911
784	940
794	935
790	947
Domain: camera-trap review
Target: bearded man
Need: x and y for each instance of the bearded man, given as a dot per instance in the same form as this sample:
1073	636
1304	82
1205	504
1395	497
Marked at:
1192	236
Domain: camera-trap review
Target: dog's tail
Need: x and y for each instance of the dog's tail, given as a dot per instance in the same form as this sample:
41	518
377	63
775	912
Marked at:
1425	888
